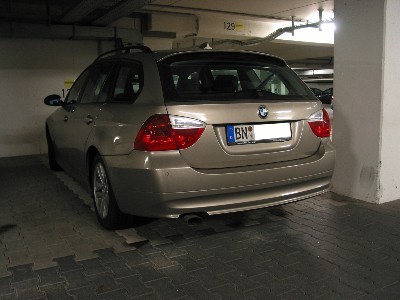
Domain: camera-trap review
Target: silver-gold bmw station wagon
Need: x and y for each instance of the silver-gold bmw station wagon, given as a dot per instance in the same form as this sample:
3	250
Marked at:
172	134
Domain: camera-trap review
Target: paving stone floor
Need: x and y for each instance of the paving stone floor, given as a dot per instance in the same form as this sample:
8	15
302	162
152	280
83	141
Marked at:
51	247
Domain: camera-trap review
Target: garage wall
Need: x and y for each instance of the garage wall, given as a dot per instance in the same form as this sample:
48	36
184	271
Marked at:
29	71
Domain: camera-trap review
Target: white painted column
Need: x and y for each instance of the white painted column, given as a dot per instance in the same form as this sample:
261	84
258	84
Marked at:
367	100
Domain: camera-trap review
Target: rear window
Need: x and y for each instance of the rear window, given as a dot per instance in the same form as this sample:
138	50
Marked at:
228	77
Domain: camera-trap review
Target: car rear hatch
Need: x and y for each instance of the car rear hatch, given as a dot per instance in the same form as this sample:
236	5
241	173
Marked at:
254	108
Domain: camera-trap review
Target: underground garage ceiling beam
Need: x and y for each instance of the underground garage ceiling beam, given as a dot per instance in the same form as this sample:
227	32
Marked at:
69	32
121	10
193	10
81	10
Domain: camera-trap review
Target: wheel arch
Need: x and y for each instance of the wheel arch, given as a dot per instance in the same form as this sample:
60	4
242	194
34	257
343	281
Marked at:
47	131
115	218
90	155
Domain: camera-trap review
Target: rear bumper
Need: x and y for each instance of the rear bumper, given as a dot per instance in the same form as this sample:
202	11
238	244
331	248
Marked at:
163	185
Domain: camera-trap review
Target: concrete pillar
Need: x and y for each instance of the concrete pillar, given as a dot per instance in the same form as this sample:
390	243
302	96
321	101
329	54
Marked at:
367	100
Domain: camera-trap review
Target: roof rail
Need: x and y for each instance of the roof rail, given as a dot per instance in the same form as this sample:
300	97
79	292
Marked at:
127	49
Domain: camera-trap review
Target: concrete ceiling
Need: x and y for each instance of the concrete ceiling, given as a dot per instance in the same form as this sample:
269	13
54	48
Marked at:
88	11
103	13
261	9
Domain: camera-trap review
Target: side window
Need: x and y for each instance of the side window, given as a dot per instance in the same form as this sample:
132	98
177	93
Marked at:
98	84
129	83
77	87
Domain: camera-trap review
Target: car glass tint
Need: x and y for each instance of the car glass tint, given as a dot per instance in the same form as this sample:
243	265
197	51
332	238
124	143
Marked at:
77	87
216	80
108	85
96	89
129	83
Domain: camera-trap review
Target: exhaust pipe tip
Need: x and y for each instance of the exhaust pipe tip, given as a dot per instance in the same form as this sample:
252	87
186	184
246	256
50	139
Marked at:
192	219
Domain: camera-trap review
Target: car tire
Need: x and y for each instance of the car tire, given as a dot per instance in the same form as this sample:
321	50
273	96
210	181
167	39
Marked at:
54	166
106	207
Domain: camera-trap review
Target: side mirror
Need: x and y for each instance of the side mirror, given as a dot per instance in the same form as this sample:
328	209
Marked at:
53	100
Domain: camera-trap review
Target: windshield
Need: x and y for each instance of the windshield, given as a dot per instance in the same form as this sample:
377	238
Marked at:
221	79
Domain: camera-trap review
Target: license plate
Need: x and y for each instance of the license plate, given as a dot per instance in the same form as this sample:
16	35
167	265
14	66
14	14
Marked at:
246	134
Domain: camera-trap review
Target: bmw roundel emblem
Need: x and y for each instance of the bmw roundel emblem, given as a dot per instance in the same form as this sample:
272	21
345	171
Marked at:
262	112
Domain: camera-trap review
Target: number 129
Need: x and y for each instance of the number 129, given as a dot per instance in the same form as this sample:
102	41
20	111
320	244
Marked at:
229	25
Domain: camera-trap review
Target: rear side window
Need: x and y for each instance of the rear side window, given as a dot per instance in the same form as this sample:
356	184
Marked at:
222	78
129	83
98	83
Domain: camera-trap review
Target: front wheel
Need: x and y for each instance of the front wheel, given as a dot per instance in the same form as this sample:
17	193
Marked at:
106	207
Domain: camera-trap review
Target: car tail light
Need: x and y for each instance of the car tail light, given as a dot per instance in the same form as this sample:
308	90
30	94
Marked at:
320	123
164	132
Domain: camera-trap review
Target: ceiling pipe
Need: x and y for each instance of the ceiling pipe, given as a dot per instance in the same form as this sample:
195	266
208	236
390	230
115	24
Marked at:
273	35
292	25
177	9
320	10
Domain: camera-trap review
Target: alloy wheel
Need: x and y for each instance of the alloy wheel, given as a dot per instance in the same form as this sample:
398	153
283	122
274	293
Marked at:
100	190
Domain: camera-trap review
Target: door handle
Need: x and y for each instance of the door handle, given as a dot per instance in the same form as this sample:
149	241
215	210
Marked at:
65	118
88	120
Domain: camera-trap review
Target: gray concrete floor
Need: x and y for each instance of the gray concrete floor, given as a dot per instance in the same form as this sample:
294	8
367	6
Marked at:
51	247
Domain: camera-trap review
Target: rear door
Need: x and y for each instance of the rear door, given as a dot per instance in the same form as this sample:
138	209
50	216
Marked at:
255	108
82	118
